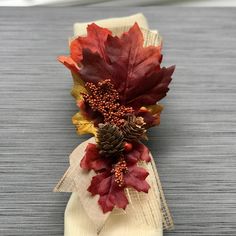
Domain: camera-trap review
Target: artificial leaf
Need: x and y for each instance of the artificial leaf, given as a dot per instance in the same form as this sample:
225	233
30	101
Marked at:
83	126
133	69
69	63
92	159
139	153
154	90
95	39
93	116
78	88
96	161
111	194
155	109
151	114
135	178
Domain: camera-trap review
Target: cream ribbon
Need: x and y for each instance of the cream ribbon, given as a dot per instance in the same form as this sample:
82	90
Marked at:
81	28
144	215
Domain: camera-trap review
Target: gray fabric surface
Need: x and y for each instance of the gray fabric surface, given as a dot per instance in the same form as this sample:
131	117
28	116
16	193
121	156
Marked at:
123	3
194	147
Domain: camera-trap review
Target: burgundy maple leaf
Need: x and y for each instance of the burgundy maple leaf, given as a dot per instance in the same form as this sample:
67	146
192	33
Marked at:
139	153
135	178
133	69
111	194
104	182
95	39
92	160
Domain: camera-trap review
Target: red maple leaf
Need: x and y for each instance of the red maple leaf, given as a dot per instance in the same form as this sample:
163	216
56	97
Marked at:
151	117
92	160
135	178
104	184
133	69
69	63
112	195
139	153
95	39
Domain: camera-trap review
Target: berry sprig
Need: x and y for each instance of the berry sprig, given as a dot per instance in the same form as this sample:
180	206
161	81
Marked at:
104	98
119	170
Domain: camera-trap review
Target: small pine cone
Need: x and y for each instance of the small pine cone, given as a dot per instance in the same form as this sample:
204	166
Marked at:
133	129
110	139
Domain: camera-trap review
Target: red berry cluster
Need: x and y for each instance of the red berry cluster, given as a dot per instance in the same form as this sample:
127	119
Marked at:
104	98
119	170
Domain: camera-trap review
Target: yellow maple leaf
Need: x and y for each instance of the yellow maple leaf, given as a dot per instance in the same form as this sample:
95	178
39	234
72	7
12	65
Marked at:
156	110
78	87
83	126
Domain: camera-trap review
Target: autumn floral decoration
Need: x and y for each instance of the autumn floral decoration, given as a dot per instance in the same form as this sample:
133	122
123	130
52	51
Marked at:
117	84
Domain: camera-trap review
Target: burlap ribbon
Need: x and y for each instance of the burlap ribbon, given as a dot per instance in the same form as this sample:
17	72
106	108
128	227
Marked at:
147	214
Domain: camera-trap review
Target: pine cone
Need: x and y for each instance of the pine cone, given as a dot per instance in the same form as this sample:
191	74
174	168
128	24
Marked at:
110	139
133	129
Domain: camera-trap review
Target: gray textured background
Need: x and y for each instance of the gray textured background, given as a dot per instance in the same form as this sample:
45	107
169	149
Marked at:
194	147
